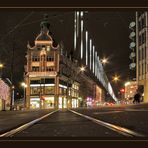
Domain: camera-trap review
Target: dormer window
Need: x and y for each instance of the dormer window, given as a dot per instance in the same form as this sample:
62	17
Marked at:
48	48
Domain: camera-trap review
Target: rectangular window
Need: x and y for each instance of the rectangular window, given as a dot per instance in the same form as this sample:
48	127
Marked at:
60	91
50	58
50	68
140	39
143	22
143	38
139	25
35	58
35	68
35	90
139	58
34	81
49	90
49	81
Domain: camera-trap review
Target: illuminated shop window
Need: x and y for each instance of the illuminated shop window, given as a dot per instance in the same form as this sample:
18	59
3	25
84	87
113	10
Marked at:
64	91
35	90
60	90
49	90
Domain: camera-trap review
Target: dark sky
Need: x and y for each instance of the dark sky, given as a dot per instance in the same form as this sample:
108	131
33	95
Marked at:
109	31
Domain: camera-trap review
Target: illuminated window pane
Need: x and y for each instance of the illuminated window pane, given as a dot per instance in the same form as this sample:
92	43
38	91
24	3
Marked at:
49	90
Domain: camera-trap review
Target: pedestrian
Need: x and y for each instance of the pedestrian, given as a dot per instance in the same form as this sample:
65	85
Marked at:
137	97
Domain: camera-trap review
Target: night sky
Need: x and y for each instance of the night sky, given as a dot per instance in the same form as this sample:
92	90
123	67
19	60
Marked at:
108	30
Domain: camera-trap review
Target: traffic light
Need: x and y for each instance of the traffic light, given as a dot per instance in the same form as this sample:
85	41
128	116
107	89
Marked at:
122	90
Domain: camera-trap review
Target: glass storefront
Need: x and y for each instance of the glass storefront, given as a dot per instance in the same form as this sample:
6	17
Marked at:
35	103
48	102
42	89
74	103
62	102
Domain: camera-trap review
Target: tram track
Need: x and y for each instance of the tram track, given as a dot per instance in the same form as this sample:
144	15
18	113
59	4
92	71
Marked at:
120	130
25	126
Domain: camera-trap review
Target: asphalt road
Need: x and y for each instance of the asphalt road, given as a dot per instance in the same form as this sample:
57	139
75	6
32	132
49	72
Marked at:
67	124
64	123
133	117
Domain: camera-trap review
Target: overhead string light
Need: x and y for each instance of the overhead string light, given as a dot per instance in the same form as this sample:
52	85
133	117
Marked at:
90	48
93	58
82	34
77	23
75	32
86	39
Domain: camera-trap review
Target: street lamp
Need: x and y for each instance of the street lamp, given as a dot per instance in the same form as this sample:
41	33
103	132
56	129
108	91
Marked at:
82	69
1	67
24	85
116	78
104	60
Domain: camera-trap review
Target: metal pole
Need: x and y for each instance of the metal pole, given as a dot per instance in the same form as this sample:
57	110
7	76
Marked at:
12	66
24	98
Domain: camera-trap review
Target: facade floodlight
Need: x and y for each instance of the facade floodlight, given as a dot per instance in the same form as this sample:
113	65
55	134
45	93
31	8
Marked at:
132	24
132	65
132	45
132	55
132	35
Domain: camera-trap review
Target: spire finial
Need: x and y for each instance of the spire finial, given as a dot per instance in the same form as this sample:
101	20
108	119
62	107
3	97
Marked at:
45	23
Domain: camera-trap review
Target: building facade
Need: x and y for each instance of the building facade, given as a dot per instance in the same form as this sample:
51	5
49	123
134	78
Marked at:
5	95
130	90
142	53
49	75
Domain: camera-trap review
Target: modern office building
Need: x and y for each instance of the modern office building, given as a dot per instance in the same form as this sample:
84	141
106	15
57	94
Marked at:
142	53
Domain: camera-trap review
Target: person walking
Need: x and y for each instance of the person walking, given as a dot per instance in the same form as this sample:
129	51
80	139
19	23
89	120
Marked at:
137	97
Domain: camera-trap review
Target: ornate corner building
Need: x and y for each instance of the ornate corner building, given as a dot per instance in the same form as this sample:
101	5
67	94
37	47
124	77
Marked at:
49	74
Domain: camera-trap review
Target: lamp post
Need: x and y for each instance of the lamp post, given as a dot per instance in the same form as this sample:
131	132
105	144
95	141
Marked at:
24	85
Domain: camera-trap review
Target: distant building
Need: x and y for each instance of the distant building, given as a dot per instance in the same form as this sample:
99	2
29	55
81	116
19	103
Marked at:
130	89
142	53
5	94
